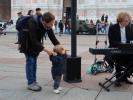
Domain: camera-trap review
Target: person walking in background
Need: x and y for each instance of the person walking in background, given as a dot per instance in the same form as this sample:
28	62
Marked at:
30	13
55	26
61	26
67	27
106	19
33	45
57	59
38	11
20	15
102	18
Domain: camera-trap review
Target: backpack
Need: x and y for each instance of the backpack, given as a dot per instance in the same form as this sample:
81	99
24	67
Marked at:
99	67
21	22
23	33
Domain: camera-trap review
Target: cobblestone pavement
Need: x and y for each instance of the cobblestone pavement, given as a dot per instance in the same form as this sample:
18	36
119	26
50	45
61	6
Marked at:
13	82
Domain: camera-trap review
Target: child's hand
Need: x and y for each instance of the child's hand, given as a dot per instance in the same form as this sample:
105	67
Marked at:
48	51
54	54
66	51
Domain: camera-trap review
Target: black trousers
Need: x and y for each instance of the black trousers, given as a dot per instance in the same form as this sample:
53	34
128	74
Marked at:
122	63
57	80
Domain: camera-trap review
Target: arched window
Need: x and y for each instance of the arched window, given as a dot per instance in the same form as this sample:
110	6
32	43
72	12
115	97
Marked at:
81	1
57	1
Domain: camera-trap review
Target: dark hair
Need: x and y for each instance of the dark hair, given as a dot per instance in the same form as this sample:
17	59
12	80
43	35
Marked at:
38	9
29	12
48	17
19	13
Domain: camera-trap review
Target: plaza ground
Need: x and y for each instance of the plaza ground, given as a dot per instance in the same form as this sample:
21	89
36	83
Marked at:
13	81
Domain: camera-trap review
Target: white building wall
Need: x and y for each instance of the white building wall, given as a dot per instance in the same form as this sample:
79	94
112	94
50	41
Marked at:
54	6
94	9
86	9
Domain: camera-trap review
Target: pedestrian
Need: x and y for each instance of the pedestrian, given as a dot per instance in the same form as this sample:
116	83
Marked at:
57	59
34	45
20	15
38	11
30	13
61	26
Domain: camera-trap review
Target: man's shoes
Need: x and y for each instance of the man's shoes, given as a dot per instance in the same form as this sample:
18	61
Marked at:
34	87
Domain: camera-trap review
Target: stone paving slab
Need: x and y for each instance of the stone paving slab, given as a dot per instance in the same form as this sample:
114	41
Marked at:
13	82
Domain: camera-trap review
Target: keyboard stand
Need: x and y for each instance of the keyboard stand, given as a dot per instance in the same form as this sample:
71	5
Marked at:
109	81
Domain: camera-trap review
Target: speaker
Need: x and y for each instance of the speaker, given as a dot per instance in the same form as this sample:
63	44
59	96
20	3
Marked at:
72	72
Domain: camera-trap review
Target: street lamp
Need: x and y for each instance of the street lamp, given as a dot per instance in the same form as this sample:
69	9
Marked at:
73	63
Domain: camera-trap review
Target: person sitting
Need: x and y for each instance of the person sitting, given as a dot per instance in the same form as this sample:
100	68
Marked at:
117	34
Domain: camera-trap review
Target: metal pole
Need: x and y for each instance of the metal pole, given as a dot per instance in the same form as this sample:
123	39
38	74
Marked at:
73	28
73	64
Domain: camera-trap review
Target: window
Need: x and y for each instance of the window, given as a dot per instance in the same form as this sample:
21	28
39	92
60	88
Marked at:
117	0
17	2
81	1
109	1
123	0
14	2
34	1
45	1
103	1
57	1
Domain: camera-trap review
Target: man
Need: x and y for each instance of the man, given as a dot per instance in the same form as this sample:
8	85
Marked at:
34	45
38	11
61	26
20	15
121	33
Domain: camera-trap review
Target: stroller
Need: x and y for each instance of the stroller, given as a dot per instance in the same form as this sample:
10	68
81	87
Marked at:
2	32
100	66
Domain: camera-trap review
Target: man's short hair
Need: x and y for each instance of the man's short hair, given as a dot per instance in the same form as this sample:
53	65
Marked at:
19	13
48	17
38	9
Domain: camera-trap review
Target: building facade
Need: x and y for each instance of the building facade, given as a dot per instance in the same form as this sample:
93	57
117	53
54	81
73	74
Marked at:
5	10
54	6
94	9
86	9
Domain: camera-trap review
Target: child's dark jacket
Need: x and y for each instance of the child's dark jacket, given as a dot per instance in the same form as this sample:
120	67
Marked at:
57	64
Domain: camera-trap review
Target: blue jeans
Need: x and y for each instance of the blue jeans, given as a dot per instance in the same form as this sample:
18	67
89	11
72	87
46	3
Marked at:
31	68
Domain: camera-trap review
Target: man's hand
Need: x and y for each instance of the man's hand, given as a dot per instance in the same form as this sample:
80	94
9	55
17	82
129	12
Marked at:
48	51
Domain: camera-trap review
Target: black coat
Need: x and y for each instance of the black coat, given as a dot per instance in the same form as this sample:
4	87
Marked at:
57	64
34	38
114	35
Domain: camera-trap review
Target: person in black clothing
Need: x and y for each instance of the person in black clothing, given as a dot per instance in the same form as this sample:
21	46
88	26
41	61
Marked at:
57	60
30	12
61	26
120	33
38	11
34	45
20	15
106	19
102	18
